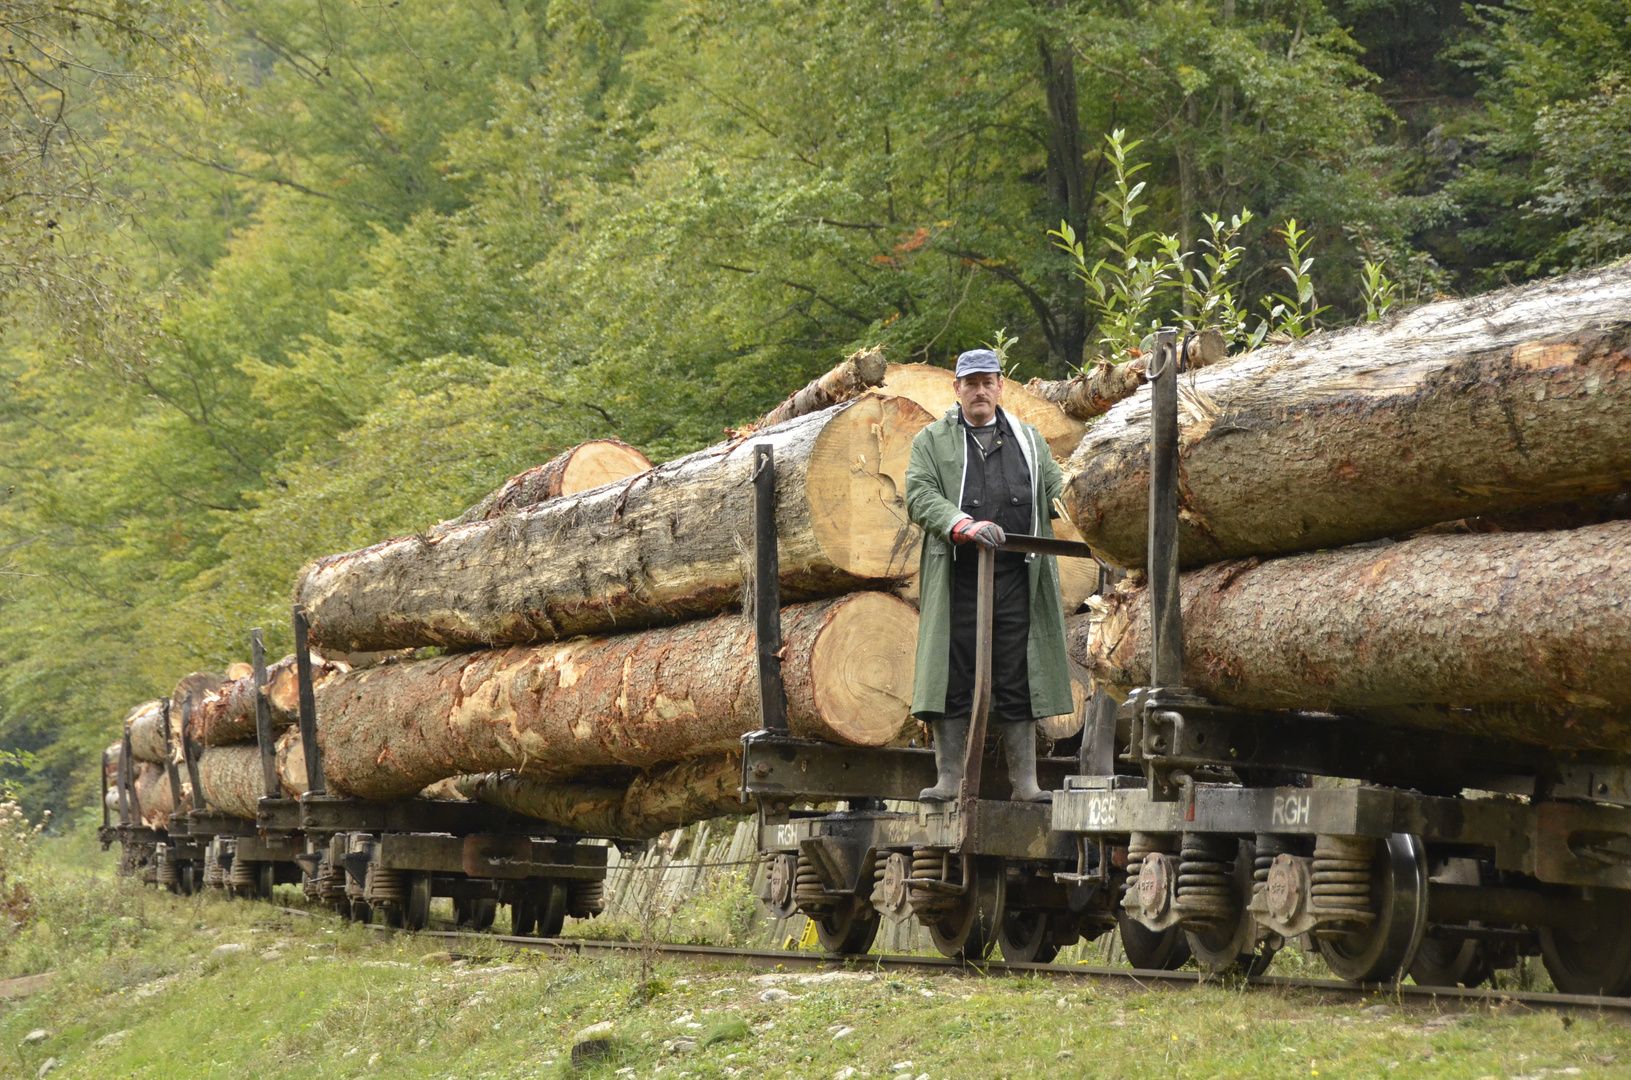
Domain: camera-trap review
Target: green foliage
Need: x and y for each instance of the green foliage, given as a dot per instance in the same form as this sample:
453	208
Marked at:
304	274
1584	154
1381	293
1298	313
1124	286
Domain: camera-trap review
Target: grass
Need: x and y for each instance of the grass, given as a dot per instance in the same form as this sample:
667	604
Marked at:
311	998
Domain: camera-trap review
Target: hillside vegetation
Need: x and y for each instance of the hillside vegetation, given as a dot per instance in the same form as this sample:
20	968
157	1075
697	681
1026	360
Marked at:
286	277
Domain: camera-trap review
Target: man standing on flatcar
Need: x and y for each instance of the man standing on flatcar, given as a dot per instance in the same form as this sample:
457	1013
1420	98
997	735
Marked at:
977	474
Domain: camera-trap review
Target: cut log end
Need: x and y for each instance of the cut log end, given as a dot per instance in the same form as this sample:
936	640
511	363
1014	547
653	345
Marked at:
862	667
931	387
856	487
602	461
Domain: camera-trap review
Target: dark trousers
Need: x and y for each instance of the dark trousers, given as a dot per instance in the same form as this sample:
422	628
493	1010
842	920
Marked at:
1010	641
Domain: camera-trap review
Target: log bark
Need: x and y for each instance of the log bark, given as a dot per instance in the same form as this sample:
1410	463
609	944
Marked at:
1466	407
659	799
670	544
634	699
852	378
231	779
146	726
1092	393
228	714
1523	636
153	794
582	468
931	387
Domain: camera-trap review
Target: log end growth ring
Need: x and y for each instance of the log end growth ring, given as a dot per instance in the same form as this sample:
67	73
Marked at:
862	666
856	487
602	461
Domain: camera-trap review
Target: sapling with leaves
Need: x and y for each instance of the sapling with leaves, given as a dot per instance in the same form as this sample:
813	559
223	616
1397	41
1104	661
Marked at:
1124	287
1296	316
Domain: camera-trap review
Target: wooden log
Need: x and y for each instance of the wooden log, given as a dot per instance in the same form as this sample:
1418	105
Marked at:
859	373
1454	409
1094	391
146	726
582	468
668	545
1063	727
228	714
931	387
153	792
659	799
1462	632
231	778
635	699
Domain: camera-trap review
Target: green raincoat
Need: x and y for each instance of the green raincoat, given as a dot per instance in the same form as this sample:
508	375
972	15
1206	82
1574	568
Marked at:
934	496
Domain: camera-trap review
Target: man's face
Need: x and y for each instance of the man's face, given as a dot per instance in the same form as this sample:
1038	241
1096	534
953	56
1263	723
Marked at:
978	394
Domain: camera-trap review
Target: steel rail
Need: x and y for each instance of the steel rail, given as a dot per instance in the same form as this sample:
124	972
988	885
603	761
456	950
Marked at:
1141	977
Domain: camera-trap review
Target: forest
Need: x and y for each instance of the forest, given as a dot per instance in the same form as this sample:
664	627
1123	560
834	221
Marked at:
288	277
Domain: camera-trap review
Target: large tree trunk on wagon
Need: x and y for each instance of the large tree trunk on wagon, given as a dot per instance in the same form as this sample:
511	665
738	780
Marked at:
671	544
146	726
932	387
153	794
635	699
659	799
1096	390
852	378
1520	636
582	468
228	714
1454	409
231	779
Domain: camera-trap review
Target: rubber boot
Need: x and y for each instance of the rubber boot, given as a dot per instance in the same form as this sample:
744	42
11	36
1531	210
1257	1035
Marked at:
950	750
1019	748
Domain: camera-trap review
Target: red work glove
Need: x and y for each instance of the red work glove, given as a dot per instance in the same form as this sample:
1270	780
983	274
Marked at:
968	530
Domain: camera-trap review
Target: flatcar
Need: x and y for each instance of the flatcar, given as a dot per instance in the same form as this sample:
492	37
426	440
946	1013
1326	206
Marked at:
1213	832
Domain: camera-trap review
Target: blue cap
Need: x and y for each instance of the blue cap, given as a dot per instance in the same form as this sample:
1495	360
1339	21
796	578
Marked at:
975	361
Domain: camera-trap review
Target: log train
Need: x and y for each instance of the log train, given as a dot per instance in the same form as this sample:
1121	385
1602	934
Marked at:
1203	831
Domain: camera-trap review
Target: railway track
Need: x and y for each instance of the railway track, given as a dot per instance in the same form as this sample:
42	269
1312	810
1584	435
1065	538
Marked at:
787	959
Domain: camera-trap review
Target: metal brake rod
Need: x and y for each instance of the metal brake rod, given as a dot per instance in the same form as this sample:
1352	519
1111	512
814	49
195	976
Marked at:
1045	545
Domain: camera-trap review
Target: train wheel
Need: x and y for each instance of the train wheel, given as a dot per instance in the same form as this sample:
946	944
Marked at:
265	877
416	902
1384	950
482	914
360	911
969	931
552	909
1232	945
1593	956
1027	937
1451	960
849	930
187	878
523	918
1153	950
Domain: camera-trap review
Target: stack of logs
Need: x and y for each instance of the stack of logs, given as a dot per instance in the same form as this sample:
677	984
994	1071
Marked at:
594	666
1419	521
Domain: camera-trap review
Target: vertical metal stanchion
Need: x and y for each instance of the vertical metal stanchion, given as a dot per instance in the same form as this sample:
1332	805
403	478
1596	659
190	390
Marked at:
263	717
106	819
767	592
308	706
190	752
1166	612
984	605
170	768
121	779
